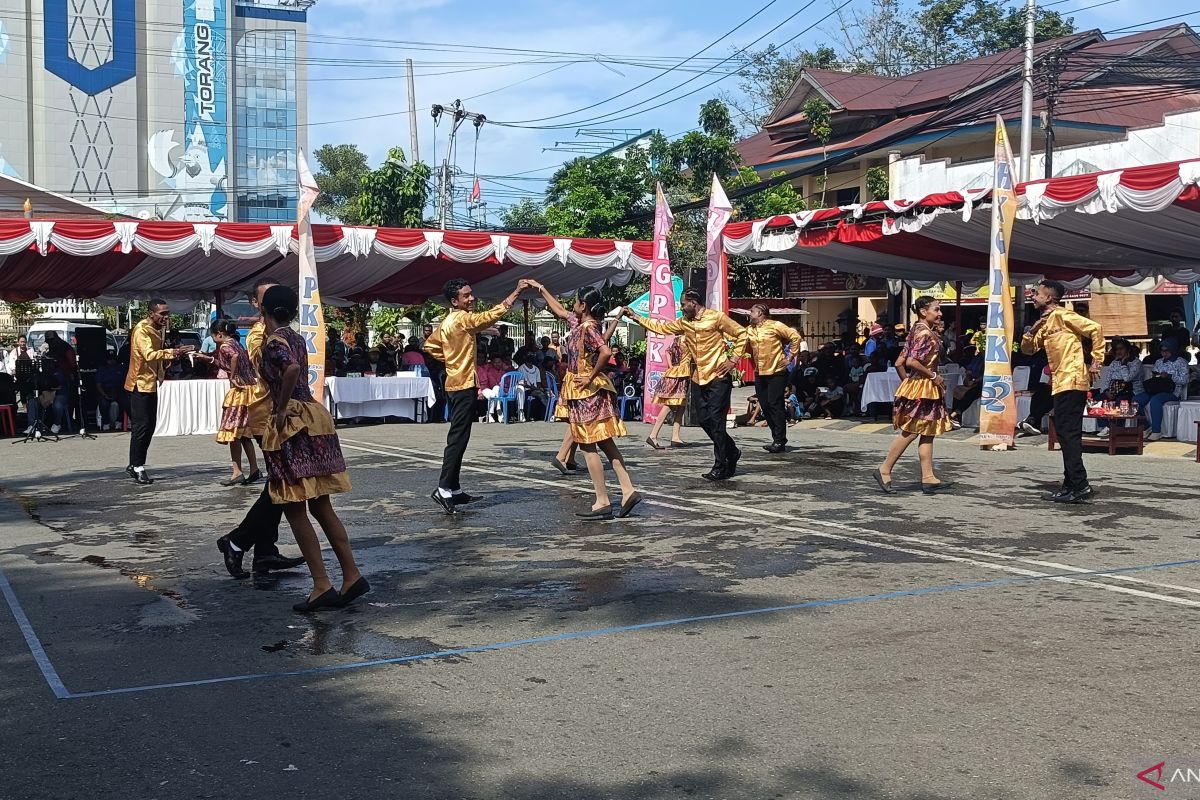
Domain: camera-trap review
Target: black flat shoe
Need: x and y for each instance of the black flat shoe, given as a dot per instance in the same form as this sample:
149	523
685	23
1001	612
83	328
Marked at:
233	558
329	599
356	590
678	444
142	479
238	481
253	477
774	449
715	475
560	466
886	486
572	466
275	563
129	471
603	513
654	444
934	488
629	503
444	502
462	498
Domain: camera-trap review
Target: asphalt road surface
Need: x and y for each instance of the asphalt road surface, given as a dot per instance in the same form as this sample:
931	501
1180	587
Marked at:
790	634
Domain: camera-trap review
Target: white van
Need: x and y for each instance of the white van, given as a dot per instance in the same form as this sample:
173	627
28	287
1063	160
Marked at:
65	330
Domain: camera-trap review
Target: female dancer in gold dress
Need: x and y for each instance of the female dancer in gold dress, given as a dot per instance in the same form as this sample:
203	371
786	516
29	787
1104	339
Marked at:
591	399
920	407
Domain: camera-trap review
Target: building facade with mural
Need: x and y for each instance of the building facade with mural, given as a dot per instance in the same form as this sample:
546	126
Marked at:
170	109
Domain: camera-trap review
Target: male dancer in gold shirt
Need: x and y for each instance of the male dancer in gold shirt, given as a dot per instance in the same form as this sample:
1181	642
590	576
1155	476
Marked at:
1061	333
767	338
706	332
147	360
453	343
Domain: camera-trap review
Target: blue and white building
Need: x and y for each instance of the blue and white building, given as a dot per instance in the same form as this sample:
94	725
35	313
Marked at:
172	109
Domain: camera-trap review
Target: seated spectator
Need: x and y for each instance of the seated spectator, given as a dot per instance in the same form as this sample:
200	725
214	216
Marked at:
854	387
487	380
1169	384
971	388
808	391
379	363
546	351
531	381
753	416
48	405
413	357
112	399
831	399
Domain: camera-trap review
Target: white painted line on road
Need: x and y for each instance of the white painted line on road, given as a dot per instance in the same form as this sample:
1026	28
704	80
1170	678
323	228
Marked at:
741	514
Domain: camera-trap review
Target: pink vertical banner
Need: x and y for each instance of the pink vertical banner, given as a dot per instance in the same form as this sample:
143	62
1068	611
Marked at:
716	281
662	304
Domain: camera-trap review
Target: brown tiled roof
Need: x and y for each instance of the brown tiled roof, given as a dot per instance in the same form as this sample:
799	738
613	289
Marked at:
904	103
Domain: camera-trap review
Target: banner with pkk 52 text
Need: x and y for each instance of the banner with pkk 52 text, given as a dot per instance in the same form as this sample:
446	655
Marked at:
312	318
998	403
662	305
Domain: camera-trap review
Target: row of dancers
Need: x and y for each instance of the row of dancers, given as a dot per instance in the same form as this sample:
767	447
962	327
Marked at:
270	401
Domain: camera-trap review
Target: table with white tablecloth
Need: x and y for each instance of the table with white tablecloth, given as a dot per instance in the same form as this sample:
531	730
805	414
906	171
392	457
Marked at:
1179	420
881	387
190	407
396	396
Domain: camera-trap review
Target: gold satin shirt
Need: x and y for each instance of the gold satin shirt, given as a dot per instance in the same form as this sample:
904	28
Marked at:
454	344
255	338
147	359
705	337
1062	334
767	340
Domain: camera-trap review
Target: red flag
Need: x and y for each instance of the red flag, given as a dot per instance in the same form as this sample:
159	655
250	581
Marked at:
475	192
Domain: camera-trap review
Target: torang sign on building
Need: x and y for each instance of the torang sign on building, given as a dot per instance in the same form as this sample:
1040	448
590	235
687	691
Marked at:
801	280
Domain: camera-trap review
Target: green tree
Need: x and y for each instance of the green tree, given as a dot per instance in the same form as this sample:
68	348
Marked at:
23	313
525	215
395	194
820	126
593	197
950	31
342	169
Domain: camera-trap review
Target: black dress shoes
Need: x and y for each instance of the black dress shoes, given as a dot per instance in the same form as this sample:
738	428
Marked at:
462	498
774	448
629	503
233	558
601	513
446	503
129	471
329	599
275	563
142	478
715	475
1072	495
731	464
356	590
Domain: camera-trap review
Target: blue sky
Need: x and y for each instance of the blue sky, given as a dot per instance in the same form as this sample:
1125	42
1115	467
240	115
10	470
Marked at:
666	29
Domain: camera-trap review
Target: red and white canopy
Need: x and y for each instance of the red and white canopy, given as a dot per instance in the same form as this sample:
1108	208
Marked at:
1122	226
188	261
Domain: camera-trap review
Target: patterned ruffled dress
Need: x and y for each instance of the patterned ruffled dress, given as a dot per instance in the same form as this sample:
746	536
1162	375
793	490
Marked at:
304	460
672	388
920	405
239	415
592	411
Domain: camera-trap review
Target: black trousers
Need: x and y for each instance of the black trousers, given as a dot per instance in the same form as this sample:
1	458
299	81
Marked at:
714	406
260	527
1068	424
770	389
462	416
143	416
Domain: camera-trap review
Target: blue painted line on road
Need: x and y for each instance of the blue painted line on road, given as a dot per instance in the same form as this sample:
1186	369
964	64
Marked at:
590	634
31	639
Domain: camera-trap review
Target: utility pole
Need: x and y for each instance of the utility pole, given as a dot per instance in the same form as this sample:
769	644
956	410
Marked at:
445	184
414	154
1027	93
1055	63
